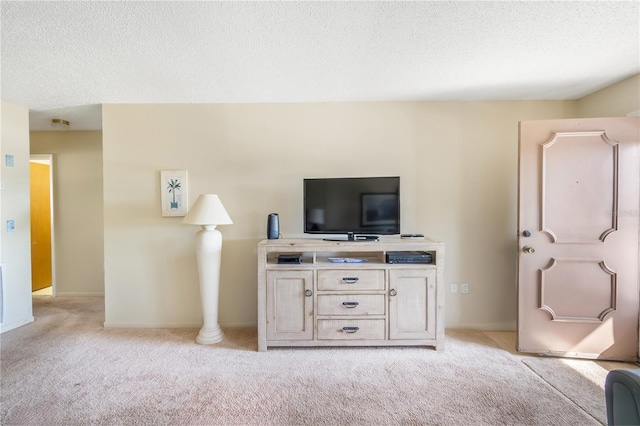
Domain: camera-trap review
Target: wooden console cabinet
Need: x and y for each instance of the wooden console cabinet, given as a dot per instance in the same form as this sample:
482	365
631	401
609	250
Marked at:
363	302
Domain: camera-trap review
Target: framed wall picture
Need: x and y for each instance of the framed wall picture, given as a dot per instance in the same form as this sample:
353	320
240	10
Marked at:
173	187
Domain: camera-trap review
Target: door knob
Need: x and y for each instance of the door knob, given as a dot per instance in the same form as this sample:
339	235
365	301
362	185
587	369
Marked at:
528	250
308	293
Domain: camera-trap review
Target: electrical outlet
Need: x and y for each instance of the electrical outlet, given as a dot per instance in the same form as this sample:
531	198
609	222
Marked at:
454	288
464	288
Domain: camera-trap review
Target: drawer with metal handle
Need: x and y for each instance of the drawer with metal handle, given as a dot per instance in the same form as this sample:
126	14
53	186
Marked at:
361	329
351	279
361	304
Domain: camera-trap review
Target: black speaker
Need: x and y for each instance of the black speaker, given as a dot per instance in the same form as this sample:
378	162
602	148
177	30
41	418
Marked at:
273	227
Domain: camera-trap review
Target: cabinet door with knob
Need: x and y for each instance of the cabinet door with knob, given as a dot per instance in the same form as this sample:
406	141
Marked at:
290	305
412	304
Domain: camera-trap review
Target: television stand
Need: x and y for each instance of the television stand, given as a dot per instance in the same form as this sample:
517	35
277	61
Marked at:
365	302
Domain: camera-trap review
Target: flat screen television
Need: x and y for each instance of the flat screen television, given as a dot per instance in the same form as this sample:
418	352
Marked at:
359	205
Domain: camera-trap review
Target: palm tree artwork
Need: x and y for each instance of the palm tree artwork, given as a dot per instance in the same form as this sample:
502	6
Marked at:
174	191
174	185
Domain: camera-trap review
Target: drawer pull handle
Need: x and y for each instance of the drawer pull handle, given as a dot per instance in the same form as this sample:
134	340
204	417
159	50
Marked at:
350	304
350	329
393	292
308	293
350	280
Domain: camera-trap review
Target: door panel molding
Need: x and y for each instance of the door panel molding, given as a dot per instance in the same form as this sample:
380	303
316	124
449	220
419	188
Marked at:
601	305
559	199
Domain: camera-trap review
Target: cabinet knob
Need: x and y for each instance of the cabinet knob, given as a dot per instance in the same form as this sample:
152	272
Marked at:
308	293
350	329
528	250
350	280
393	292
350	304
526	233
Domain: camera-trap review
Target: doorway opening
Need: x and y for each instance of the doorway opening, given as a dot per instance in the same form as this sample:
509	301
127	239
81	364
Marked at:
42	229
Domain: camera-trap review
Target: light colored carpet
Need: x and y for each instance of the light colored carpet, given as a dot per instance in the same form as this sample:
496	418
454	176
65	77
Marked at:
66	369
580	380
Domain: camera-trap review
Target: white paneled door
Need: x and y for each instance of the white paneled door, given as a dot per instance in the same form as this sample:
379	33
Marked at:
578	223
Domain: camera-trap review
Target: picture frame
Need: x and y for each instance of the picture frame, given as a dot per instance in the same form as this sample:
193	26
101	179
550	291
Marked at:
379	209
174	193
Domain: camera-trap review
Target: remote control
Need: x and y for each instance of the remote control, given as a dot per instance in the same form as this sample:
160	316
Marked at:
411	236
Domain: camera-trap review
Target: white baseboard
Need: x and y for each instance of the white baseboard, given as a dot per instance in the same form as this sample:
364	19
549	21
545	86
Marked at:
76	294
175	325
13	325
502	326
494	326
239	325
151	325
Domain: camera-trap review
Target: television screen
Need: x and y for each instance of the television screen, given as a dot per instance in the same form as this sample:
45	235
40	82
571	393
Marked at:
362	205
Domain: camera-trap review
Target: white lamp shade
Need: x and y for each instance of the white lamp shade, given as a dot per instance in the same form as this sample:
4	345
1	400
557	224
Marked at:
207	210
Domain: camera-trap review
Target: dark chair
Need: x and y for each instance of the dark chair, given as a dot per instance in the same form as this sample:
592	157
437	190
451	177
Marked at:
622	393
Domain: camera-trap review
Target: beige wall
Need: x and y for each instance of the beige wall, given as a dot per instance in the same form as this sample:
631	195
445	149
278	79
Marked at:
467	155
77	209
15	247
457	162
618	100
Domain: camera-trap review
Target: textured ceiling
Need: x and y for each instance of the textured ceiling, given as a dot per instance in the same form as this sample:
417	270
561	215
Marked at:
66	58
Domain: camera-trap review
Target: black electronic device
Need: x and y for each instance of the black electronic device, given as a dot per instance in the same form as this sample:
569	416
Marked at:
273	226
409	257
354	206
290	259
366	238
416	236
353	237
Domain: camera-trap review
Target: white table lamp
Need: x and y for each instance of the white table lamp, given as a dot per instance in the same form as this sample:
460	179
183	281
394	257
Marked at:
208	212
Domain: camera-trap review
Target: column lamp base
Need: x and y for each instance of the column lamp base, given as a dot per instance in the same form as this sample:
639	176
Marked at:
210	336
